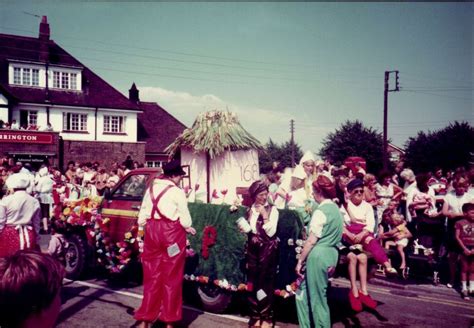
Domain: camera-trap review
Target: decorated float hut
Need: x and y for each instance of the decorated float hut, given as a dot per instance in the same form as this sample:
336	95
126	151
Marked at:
220	155
223	161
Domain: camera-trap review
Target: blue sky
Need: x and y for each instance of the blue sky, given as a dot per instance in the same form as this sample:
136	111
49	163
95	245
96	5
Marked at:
317	63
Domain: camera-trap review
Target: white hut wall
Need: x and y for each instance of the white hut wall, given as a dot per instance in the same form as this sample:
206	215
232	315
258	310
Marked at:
233	169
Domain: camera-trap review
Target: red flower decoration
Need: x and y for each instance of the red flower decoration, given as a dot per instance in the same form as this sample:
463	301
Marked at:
209	237
224	192
196	186
214	194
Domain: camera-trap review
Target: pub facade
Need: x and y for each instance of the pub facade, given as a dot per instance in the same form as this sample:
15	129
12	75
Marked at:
55	109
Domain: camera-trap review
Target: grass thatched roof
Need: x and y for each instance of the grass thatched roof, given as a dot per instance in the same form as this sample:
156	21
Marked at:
215	132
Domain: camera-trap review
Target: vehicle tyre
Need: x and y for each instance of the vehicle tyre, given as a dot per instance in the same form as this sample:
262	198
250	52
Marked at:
213	298
75	257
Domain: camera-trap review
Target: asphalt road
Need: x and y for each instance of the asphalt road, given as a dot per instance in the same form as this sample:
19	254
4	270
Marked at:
102	303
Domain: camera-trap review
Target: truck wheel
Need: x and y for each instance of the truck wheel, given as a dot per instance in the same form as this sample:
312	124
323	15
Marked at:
75	257
213	298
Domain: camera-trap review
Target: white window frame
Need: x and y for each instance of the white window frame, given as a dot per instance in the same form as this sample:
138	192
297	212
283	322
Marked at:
65	80
73	81
17	71
33	117
56	79
154	163
74	122
114	124
25	76
35	77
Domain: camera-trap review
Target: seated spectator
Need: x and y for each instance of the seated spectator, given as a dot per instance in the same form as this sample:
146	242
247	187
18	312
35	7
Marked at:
360	225
30	284
396	235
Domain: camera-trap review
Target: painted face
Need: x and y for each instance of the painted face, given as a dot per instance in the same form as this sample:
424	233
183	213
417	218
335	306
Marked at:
261	198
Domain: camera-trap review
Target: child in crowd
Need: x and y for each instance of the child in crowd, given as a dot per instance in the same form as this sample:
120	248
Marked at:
58	244
423	201
394	232
465	238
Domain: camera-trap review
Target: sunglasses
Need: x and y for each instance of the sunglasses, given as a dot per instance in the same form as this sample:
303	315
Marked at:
358	191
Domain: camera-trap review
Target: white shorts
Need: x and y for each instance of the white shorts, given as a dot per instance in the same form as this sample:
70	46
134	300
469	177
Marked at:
403	242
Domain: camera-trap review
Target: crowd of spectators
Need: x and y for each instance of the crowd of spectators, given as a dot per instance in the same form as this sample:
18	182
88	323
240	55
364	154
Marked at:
411	214
51	186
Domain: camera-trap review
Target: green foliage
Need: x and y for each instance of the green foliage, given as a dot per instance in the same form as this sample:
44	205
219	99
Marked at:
354	139
448	148
226	256
274	152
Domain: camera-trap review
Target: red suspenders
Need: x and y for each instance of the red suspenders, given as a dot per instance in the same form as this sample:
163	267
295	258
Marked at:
155	201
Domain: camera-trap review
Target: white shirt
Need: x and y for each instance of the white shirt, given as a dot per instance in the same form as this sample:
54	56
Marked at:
173	204
44	187
318	220
455	202
20	209
298	198
362	213
57	244
270	226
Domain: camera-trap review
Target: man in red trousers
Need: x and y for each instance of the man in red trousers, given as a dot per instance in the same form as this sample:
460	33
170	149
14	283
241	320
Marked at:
165	219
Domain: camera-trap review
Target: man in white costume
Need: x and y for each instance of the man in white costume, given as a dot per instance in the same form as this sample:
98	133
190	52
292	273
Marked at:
308	162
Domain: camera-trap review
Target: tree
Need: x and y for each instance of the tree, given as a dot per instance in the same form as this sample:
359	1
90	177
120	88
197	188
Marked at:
277	153
354	139
448	148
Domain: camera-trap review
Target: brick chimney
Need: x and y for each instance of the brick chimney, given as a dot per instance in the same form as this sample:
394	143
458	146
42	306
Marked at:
44	39
133	93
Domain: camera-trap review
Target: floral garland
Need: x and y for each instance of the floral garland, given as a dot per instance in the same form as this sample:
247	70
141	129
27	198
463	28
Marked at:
116	256
84	212
209	237
290	289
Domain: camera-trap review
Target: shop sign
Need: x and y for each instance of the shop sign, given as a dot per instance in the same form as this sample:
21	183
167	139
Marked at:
26	137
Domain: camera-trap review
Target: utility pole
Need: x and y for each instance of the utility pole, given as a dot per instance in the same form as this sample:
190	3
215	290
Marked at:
386	90
292	142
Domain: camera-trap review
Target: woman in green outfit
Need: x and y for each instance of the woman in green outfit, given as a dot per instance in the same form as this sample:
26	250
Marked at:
321	255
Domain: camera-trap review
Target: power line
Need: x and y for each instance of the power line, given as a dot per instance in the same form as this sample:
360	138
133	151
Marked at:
438	95
169	51
231	59
193	71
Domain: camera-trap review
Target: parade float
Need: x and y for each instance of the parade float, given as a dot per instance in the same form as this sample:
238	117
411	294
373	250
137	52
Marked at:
222	161
220	155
